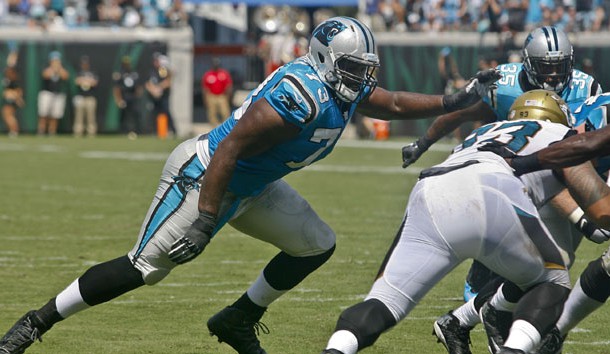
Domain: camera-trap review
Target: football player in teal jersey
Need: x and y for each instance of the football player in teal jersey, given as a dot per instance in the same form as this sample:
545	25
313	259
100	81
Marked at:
548	63
234	175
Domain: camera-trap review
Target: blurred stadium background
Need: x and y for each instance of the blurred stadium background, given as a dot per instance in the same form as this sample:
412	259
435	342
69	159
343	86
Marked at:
252	35
71	203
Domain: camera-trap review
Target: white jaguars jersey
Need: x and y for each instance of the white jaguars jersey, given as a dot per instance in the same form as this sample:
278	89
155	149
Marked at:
523	137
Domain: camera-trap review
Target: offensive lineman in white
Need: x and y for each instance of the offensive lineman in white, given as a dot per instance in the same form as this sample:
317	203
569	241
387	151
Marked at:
472	206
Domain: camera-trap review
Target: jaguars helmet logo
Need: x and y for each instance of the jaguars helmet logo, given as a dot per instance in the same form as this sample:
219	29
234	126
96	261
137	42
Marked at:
328	31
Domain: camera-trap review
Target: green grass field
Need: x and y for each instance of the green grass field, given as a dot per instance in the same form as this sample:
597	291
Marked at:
70	203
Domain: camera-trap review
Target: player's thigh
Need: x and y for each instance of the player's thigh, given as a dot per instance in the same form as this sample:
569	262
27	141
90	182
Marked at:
518	246
416	262
171	213
564	233
282	217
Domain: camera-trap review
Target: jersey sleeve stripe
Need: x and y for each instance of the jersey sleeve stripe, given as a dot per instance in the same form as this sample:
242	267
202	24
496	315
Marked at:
310	101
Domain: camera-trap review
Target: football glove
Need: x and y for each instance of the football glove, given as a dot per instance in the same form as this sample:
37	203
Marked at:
197	237
520	164
591	231
413	151
473	91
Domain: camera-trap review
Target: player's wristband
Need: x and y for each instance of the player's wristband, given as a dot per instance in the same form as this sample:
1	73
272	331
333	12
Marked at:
424	143
575	216
525	164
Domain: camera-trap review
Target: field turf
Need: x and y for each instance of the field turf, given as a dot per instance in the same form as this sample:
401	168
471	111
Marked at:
70	203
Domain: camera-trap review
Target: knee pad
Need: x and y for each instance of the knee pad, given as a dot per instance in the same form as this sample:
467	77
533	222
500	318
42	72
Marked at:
366	320
542	306
153	269
595	281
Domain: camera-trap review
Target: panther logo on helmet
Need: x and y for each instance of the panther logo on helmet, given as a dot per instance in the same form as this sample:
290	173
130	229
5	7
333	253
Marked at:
328	30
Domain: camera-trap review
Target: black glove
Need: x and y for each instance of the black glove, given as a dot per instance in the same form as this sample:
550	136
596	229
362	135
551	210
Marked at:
472	92
591	231
520	164
498	148
413	151
198	236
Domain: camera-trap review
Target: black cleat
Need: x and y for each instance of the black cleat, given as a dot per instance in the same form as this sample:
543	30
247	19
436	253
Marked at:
455	338
23	333
331	351
234	327
497	326
552	343
507	350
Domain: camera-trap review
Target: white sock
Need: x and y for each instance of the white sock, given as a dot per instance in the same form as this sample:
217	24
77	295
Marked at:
577	307
70	301
467	314
523	335
263	294
344	341
499	302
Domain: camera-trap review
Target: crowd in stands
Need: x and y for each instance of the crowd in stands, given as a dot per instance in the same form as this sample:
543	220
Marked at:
385	15
488	15
82	13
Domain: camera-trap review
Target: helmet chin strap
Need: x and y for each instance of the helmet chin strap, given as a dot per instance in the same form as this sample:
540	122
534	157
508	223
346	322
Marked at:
331	78
557	88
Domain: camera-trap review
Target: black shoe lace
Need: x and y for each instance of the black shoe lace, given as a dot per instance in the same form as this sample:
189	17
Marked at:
27	333
260	327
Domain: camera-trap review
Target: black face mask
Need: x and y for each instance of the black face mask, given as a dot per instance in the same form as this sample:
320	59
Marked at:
356	73
552	72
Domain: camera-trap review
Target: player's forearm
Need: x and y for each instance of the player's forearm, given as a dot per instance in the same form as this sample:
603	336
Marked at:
216	179
401	105
590	192
442	126
576	149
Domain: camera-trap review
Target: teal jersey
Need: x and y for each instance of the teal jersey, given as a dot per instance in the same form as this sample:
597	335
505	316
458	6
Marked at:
514	82
300	97
594	112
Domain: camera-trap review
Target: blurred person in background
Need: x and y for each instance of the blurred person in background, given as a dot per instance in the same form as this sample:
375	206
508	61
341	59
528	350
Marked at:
176	15
126	92
110	12
12	99
516	11
451	80
85	100
590	15
217	88
158	86
37	13
52	97
559	13
282	40
393	13
454	12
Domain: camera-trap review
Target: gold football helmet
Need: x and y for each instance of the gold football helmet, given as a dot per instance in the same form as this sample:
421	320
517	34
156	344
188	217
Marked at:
541	105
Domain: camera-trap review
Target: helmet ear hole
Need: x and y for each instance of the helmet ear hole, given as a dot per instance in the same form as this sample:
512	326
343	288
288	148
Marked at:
321	57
